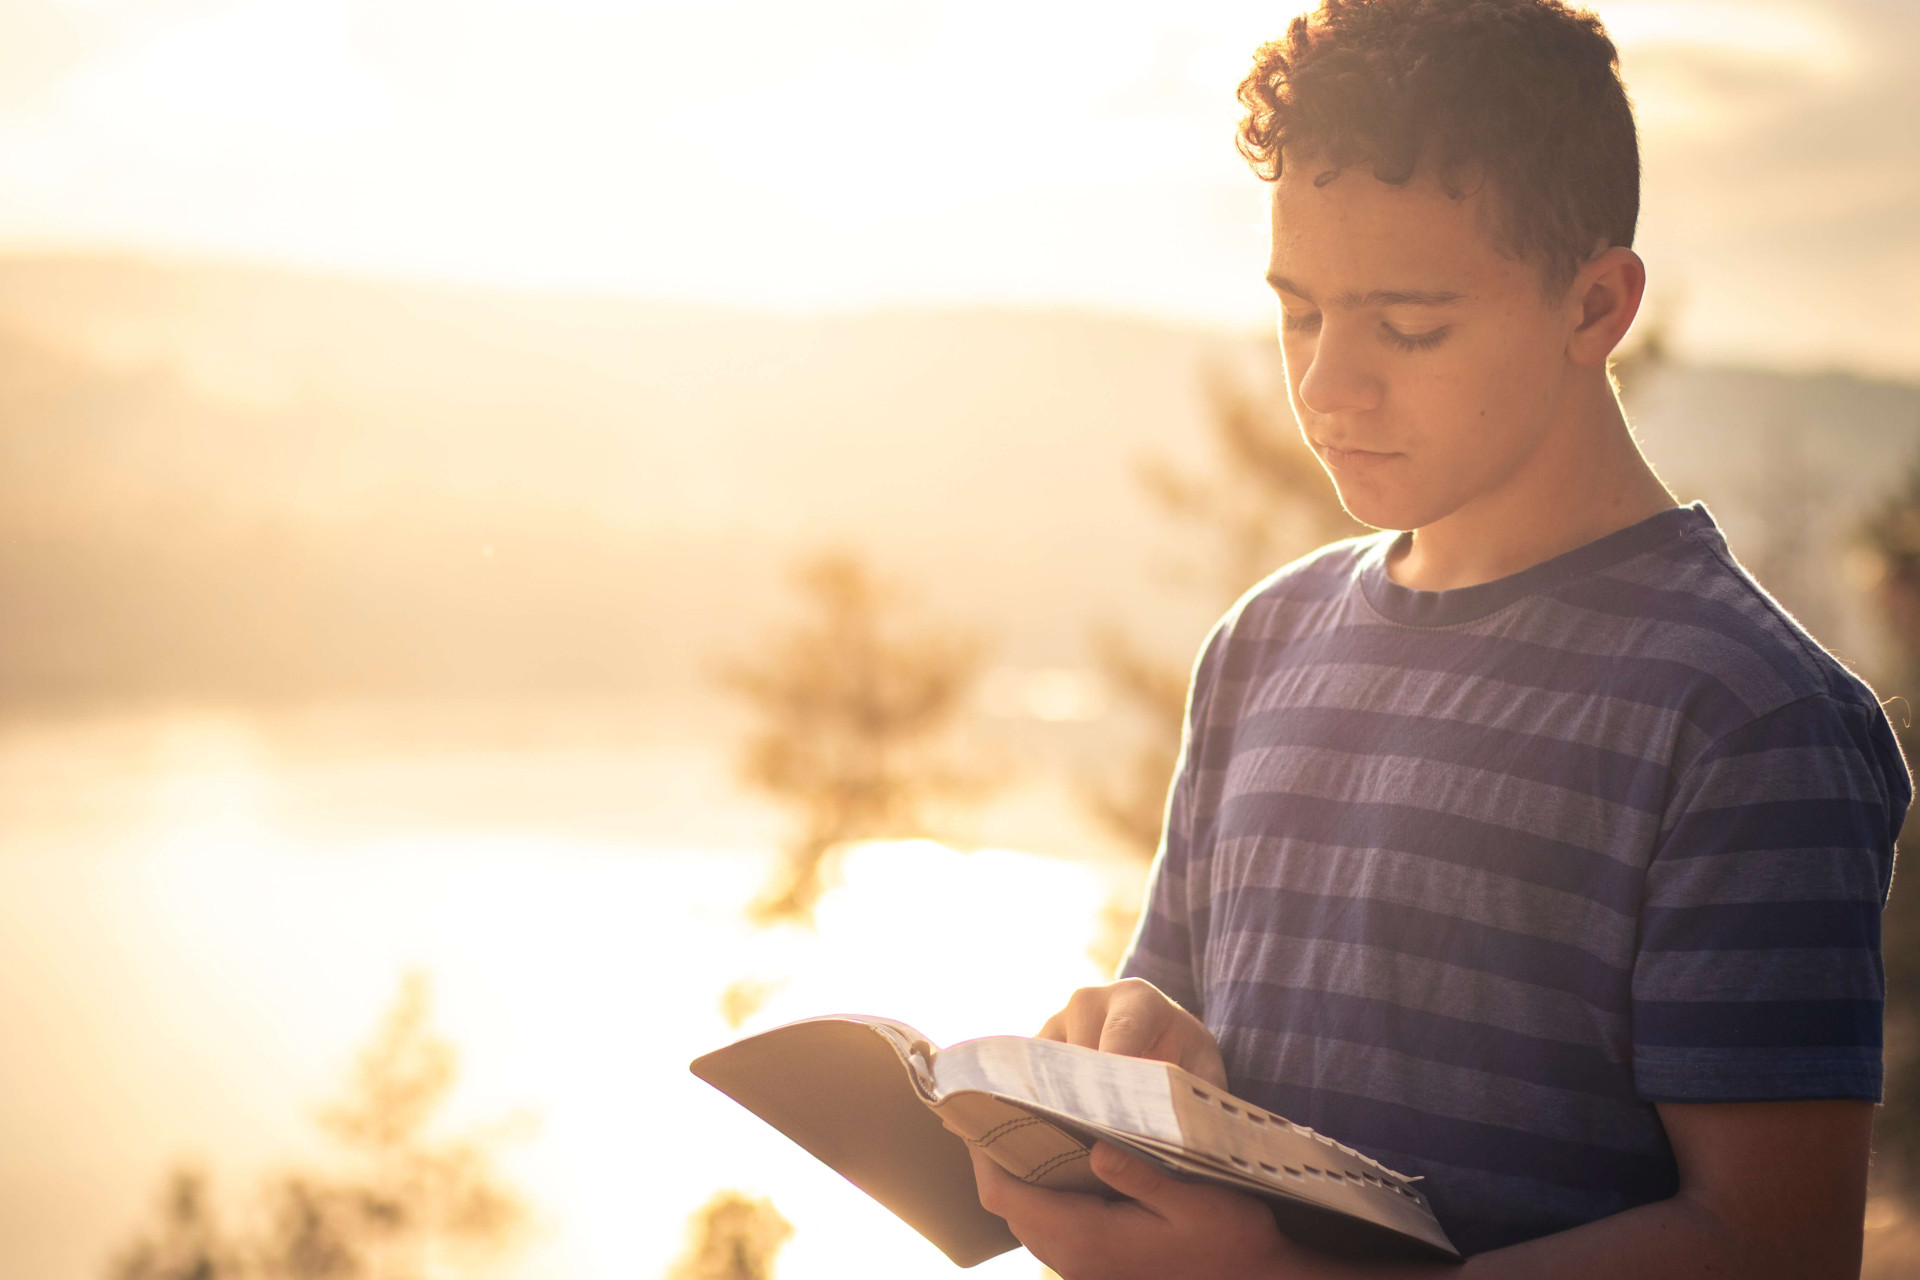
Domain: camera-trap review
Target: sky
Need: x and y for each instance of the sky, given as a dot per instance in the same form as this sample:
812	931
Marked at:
763	153
858	153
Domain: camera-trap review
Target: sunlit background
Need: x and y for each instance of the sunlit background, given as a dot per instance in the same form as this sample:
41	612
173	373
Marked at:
409	411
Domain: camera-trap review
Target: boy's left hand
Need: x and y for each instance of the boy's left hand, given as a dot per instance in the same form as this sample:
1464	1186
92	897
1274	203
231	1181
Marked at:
1166	1229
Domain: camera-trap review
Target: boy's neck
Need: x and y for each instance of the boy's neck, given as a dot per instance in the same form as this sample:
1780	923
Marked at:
1587	479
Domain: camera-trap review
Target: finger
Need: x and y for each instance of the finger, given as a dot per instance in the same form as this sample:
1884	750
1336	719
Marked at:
1134	1024
990	1184
1068	1231
1150	1191
1132	1178
1084	1017
1022	1204
1055	1028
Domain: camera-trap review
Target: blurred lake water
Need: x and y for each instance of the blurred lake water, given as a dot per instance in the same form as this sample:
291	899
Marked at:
203	915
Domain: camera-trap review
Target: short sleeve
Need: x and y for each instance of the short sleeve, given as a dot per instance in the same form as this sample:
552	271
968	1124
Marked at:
1758	976
1163	949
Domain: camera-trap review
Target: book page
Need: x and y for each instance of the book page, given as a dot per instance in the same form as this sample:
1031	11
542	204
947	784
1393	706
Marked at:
868	1095
1127	1095
1161	1111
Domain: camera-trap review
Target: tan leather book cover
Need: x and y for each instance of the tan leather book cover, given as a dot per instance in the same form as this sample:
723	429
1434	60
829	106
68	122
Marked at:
841	1091
867	1097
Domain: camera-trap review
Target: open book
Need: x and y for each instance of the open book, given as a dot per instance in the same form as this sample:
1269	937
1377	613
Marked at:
868	1095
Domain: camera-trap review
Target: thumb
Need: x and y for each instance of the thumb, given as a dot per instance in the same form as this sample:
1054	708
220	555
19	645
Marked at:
1132	1178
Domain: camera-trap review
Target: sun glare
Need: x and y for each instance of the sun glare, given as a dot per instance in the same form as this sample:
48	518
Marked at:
840	155
751	153
291	434
577	977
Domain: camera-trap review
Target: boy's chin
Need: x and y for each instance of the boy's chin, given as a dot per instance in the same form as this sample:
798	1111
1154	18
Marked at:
1379	510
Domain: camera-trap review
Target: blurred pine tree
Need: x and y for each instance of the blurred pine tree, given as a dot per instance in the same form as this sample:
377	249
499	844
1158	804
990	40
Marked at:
188	1242
852	703
410	1204
1889	566
733	1237
1262	500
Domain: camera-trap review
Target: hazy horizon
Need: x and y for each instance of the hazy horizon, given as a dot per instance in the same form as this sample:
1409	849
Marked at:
407	409
930	153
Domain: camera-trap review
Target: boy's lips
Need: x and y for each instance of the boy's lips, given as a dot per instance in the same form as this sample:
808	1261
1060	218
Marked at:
1352	459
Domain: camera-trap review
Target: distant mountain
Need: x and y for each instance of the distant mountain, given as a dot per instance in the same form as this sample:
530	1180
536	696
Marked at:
240	481
236	482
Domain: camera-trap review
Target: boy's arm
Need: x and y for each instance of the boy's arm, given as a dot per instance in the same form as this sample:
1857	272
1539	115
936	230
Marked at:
1767	1189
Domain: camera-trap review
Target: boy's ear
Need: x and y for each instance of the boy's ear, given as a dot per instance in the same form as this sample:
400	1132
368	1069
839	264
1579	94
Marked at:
1607	293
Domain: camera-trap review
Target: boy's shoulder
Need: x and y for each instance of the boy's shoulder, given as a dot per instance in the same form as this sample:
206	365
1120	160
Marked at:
1323	575
1663	606
1278	607
1697	605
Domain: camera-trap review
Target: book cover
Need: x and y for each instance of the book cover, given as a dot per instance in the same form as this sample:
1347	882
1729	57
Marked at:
868	1097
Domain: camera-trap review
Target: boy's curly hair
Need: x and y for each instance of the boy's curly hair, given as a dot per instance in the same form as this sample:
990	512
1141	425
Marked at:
1524	94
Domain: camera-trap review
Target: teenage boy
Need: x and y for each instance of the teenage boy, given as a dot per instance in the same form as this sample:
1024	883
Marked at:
1534	850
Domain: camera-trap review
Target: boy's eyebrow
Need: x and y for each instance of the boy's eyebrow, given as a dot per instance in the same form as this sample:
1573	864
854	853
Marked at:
1375	298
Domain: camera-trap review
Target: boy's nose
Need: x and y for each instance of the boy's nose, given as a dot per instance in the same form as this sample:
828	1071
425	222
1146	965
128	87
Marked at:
1338	378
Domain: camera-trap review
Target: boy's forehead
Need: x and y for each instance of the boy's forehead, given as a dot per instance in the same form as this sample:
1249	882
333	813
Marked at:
1346	232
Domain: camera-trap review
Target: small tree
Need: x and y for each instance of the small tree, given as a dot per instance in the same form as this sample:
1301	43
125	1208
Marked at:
1262	500
1890	543
414	1198
309	1234
852	703
745	997
410	1204
187	1243
733	1237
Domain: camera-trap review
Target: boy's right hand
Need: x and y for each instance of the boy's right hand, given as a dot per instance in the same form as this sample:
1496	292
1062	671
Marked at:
1133	1017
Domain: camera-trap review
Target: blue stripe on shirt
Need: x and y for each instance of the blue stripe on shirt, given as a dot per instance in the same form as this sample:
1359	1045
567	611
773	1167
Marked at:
1472	879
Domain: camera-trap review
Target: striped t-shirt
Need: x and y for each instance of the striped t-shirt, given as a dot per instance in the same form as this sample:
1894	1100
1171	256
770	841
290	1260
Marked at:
1471	879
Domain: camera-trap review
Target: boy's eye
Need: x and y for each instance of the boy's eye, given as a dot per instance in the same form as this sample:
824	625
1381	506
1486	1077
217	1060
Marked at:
1305	323
1414	341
